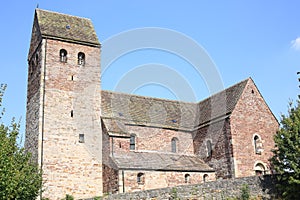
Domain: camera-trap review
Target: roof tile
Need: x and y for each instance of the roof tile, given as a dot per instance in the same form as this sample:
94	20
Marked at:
66	27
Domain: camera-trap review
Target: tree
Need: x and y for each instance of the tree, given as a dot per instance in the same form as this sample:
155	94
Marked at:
20	178
286	159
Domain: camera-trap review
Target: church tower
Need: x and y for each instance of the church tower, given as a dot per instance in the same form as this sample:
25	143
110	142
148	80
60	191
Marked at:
63	129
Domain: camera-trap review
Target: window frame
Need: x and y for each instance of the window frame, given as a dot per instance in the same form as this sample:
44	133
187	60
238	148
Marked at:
63	55
132	142
209	148
174	145
81	60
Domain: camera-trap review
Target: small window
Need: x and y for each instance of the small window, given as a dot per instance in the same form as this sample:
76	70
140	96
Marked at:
63	55
81	59
187	178
31	67
81	138
174	142
205	178
72	114
257	145
259	169
36	58
140	178
209	148
132	142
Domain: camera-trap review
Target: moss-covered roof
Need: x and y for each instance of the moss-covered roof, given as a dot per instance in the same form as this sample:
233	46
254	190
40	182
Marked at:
160	161
66	27
148	111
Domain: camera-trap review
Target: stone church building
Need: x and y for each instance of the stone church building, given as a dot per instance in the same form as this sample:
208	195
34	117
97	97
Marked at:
89	141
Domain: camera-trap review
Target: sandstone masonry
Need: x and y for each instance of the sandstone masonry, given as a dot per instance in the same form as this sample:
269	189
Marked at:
90	142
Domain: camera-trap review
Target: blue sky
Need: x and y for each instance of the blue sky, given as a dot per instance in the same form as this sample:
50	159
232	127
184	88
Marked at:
258	39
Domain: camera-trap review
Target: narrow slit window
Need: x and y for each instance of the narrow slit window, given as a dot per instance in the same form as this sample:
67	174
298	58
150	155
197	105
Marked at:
132	142
174	145
209	148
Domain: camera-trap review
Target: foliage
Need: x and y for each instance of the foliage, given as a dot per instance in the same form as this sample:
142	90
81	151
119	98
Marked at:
174	194
19	177
286	158
68	197
245	192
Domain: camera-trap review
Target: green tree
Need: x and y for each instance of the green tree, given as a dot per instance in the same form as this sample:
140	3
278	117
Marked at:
286	159
19	177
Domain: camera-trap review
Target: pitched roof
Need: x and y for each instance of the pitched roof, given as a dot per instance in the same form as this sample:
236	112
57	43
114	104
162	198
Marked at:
140	110
220	104
66	27
160	161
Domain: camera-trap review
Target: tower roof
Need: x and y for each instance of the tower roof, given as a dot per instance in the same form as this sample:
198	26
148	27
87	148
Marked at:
66	27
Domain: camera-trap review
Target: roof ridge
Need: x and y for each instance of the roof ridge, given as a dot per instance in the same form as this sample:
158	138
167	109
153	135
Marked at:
50	11
226	89
149	97
171	100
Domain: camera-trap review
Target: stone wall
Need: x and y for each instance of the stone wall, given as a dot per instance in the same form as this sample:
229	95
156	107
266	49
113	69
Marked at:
71	108
263	187
252	117
160	179
218	133
157	139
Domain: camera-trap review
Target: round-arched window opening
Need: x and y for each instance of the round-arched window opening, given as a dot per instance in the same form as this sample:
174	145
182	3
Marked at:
187	178
259	169
205	178
140	178
81	59
63	55
257	144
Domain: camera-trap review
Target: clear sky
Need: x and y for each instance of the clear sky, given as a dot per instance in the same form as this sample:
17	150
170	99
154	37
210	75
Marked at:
258	39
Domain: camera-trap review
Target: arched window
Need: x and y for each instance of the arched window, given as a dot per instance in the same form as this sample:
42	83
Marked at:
257	144
205	178
81	58
187	178
132	142
209	148
63	55
174	142
259	169
140	178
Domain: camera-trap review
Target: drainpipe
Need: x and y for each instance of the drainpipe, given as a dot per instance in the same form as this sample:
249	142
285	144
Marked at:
112	146
123	182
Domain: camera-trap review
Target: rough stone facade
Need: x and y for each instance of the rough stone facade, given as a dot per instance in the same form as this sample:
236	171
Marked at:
252	117
63	102
221	158
260	187
89	142
160	179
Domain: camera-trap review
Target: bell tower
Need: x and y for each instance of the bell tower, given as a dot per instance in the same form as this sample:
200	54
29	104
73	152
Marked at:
63	129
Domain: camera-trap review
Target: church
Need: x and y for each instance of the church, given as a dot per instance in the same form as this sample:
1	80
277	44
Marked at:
89	142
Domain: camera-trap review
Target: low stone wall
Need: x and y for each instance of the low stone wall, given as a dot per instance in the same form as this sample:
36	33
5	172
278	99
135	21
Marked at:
263	187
